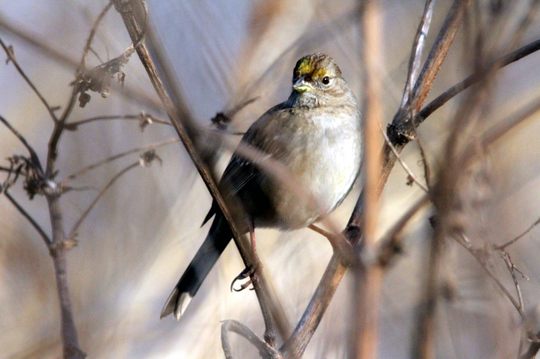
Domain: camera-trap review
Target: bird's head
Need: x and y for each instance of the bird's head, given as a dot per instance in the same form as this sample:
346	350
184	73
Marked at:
317	79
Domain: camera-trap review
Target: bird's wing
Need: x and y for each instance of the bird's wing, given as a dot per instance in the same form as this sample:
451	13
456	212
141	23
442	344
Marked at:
240	171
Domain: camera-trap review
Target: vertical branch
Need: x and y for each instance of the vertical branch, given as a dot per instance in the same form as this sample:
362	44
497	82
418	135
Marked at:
58	252
368	278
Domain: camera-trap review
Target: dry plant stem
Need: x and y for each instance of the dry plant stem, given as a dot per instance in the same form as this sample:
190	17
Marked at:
110	159
11	57
126	91
115	117
519	236
87	211
134	15
481	259
58	252
368	277
416	52
266	351
438	53
28	217
505	60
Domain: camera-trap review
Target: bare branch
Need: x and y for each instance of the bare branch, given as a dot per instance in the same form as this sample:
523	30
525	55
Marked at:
11	57
265	350
416	52
505	60
129	93
405	167
91	35
519	236
33	155
28	217
391	243
117	156
479	255
142	118
88	209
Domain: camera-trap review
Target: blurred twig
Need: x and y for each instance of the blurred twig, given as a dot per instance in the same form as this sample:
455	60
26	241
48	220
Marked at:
368	278
266	351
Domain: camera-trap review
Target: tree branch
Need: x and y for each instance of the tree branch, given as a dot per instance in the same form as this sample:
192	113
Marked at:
28	217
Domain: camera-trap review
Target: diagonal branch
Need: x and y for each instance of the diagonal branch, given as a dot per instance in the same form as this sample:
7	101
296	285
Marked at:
11	57
86	212
30	219
134	14
117	156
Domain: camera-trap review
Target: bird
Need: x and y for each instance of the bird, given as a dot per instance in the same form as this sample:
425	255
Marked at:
317	135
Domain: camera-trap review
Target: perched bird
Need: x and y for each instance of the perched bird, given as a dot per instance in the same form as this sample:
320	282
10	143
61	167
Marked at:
317	135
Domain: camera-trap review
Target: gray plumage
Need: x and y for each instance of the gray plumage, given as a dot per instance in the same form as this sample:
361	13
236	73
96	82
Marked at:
316	134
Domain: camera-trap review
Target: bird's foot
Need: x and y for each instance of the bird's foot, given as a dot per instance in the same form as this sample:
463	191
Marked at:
249	273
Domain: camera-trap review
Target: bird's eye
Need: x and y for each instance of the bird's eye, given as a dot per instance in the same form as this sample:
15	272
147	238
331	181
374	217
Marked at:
326	80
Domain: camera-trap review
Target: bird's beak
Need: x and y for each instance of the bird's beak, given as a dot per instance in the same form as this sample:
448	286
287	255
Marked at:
301	86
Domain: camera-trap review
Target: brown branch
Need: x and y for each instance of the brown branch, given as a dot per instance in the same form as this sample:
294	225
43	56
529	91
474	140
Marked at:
505	60
368	278
416	53
391	243
11	57
134	15
72	234
29	218
266	351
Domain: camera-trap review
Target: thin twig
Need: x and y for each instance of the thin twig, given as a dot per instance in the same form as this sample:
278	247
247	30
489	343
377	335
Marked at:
519	236
127	91
140	117
390	244
86	212
479	255
117	156
447	95
404	165
11	56
30	219
91	35
265	350
416	52
33	155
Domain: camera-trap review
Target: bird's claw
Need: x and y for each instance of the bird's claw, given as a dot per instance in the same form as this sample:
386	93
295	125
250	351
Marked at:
248	272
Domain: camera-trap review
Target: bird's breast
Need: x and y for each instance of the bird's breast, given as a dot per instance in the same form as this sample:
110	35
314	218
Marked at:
323	157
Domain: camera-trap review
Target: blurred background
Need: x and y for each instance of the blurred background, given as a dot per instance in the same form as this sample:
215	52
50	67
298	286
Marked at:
135	244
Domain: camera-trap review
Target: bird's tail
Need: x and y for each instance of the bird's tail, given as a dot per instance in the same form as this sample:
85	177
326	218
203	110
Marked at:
215	243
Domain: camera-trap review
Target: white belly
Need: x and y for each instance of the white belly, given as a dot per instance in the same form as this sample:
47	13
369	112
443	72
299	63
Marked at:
325	165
